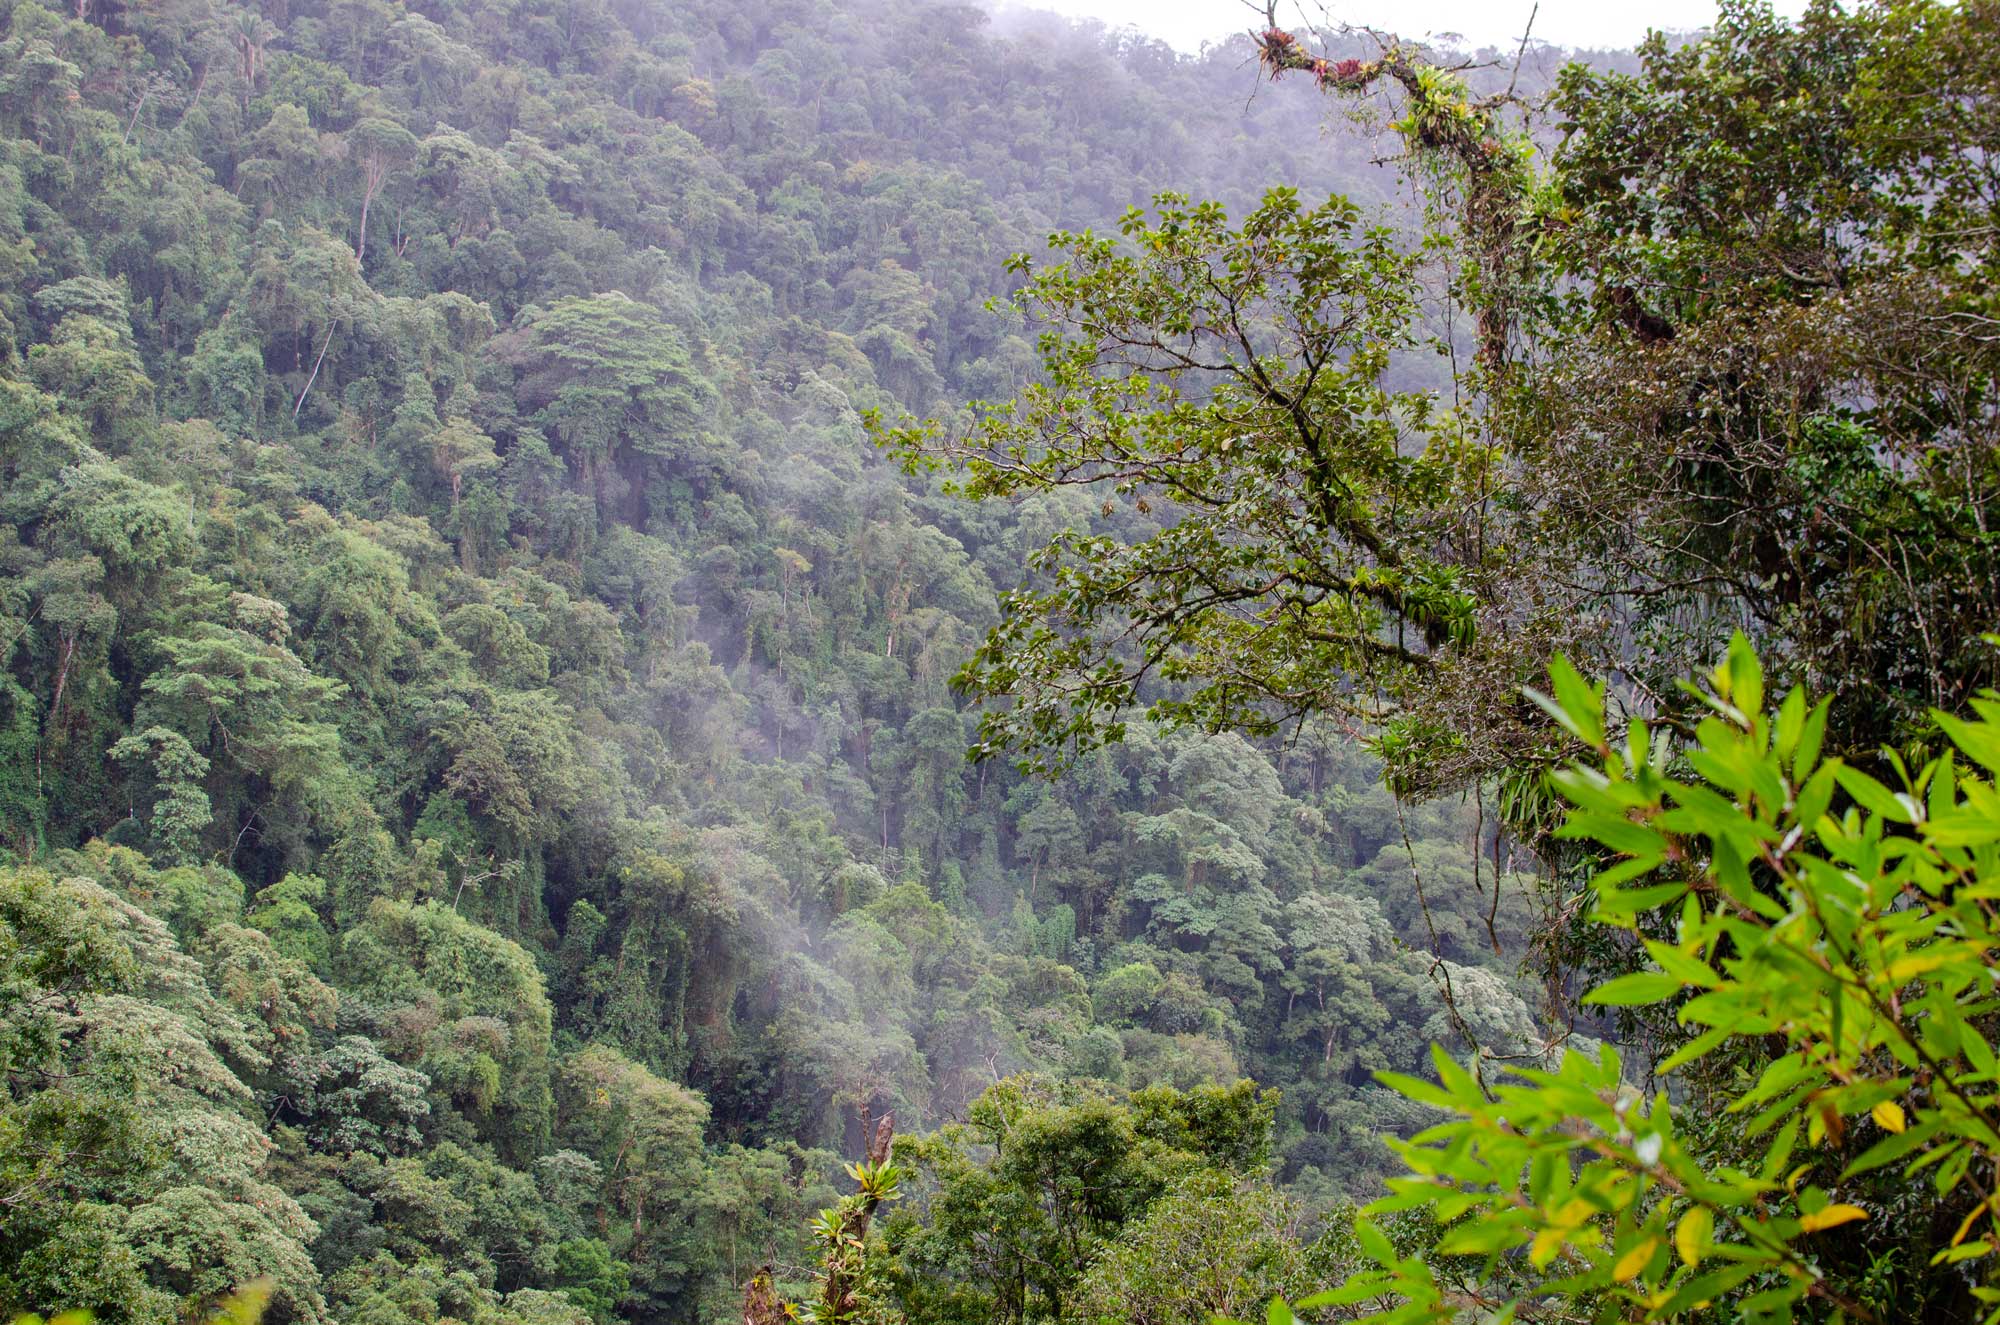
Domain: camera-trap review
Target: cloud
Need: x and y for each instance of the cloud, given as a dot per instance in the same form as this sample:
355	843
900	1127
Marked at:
1186	24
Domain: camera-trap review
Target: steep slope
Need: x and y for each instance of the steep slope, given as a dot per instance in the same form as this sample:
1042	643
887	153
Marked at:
471	687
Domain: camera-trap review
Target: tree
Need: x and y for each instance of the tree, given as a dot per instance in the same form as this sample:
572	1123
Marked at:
1741	250
458	450
251	33
1299	555
135	1179
478	1005
573	680
591	1278
1208	1248
1047	830
646	1132
851	1280
355	1099
1019	1201
182	809
509	755
378	148
289	911
238	693
92	367
608	377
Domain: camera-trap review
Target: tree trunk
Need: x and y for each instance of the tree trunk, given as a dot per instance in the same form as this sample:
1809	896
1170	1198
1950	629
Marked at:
760	1301
301	403
371	181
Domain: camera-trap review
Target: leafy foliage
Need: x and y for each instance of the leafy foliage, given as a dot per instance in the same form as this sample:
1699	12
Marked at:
452	621
1834	966
1234	376
481	776
1044	1182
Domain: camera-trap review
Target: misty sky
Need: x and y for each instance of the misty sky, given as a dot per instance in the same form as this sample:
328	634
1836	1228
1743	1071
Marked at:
1186	23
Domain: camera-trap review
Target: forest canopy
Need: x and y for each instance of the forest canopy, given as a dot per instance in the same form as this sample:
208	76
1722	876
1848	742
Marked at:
486	830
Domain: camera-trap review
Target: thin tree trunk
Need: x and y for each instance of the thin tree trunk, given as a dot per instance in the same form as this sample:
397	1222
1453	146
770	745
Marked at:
200	82
301	404
367	200
55	705
136	112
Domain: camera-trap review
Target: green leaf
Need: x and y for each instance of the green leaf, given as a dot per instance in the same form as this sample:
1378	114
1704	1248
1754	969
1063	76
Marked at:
1316	1301
1375	1244
1791	724
1979	740
1892	1148
1962	829
1811	737
1578	707
1684	967
1874	797
1620	904
1479	1238
1816	794
1640	987
1745	676
1694	1233
1416	1088
1455	1078
1700	1046
1780	1152
1358	1288
1620	835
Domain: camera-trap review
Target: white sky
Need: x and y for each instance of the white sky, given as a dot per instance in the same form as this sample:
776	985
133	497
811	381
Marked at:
1585	23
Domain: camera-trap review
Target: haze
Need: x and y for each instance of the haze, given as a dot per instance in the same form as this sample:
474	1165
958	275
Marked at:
1186	24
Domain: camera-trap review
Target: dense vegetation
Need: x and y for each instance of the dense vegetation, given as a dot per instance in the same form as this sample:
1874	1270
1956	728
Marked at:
1725	387
486	823
483	805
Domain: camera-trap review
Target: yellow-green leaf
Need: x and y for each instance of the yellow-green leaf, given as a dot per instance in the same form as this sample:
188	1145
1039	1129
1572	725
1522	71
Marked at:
1888	1116
1831	1217
1633	1261
1694	1233
1916	964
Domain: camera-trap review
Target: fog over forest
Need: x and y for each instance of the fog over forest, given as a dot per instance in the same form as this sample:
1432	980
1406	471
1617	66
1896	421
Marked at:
489	652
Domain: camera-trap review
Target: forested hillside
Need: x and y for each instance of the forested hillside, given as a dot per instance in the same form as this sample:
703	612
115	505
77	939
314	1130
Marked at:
483	806
1691	561
1469	589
